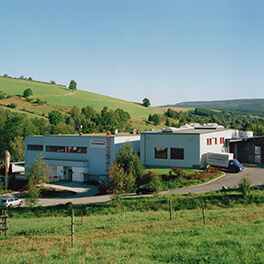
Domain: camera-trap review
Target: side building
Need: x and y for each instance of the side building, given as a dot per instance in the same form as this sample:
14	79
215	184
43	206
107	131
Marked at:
77	157
186	147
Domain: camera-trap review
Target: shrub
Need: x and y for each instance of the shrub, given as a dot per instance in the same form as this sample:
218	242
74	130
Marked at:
9	96
2	96
28	92
12	105
244	185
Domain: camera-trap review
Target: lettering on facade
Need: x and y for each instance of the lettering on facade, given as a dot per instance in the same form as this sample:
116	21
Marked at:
97	143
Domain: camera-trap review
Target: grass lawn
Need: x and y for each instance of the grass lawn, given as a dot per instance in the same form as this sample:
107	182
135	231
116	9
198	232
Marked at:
185	178
231	235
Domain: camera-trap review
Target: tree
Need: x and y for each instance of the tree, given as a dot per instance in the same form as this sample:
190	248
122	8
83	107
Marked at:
28	92
73	85
52	82
17	149
146	102
126	171
156	119
56	117
36	179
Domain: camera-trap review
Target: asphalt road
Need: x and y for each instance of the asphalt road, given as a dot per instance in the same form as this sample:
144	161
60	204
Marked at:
85	194
253	171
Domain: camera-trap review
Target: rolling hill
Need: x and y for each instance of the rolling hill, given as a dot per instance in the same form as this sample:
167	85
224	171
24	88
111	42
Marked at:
241	105
61	98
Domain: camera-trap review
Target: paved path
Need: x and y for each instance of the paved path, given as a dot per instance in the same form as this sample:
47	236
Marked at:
254	172
87	193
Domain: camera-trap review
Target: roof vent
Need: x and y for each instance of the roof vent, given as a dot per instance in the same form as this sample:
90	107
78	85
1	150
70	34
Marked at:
169	130
114	132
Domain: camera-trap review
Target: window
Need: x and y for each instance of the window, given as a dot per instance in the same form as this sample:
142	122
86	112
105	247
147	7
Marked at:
215	141
209	141
55	149
77	149
177	153
222	140
35	147
161	153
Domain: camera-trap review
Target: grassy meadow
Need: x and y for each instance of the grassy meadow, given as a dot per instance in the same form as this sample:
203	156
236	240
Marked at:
17	87
57	97
231	235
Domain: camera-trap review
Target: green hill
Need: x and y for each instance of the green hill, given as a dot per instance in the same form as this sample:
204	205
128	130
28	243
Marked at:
61	98
241	105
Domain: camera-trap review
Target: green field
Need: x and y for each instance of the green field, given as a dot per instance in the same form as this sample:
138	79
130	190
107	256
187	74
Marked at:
17	87
231	235
57	98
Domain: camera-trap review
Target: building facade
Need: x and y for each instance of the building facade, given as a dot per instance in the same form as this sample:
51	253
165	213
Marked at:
77	157
186	147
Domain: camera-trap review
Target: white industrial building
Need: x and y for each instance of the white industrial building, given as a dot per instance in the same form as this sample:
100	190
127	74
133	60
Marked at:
187	146
77	157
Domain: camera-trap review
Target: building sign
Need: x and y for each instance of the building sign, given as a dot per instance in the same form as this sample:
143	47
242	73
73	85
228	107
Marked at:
97	143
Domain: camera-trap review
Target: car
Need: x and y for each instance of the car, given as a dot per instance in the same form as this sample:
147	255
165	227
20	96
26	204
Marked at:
10	202
147	189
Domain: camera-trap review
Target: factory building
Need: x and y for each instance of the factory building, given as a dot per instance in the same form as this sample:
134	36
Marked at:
77	157
186	147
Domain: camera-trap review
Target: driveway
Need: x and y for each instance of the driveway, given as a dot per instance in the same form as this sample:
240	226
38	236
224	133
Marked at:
87	193
255	172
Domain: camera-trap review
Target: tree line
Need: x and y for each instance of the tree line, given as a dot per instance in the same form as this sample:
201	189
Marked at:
15	126
228	119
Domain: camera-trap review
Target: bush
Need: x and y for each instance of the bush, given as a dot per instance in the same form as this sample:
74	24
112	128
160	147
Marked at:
12	105
245	186
28	92
2	96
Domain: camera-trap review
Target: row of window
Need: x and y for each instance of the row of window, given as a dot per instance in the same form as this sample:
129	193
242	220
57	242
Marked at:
175	153
35	147
62	149
210	141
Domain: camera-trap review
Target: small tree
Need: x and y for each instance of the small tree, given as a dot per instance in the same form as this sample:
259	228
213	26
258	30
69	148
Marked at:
156	119
73	85
56	117
28	92
146	102
244	185
126	171
52	82
36	179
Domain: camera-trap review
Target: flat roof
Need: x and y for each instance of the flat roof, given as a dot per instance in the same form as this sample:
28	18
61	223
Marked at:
187	131
89	135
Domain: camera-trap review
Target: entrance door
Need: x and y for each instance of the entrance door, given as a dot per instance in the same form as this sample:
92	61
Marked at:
70	174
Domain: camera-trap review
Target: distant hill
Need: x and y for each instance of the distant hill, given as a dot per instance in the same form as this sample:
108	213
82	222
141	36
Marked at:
241	105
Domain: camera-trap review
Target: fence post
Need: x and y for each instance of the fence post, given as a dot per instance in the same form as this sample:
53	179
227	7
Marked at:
72	229
170	209
203	213
124	215
6	225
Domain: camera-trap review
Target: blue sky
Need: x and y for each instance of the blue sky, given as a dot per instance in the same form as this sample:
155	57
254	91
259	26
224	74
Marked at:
169	51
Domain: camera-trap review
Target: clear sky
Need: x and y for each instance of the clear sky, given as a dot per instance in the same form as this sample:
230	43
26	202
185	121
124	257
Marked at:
169	51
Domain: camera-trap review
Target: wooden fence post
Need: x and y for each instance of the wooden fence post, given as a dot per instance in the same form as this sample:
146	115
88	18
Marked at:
6	224
124	215
203	213
72	229
170	209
